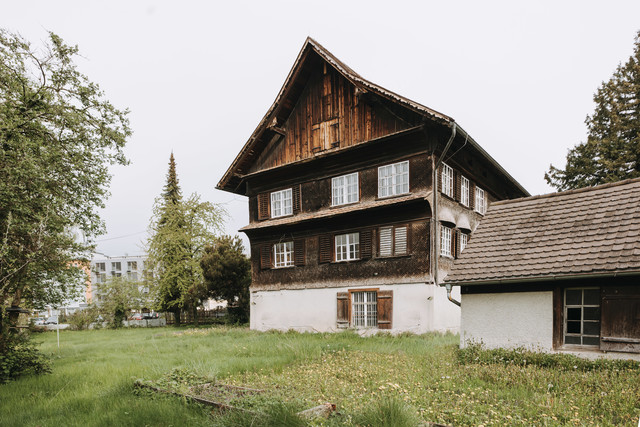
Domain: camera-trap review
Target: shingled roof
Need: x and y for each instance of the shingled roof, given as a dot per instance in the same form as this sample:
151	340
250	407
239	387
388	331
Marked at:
587	232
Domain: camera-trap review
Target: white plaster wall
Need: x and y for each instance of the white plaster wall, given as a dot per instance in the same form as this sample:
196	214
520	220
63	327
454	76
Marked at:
515	319
316	309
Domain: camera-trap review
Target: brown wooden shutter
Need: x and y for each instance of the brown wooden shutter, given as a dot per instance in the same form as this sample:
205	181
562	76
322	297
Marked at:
620	319
299	252
455	243
440	179
365	244
325	249
343	310
472	195
400	240
263	206
265	256
456	185
385	309
295	196
316	143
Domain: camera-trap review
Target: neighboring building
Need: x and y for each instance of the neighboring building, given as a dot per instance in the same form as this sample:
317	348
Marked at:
340	177
559	272
104	267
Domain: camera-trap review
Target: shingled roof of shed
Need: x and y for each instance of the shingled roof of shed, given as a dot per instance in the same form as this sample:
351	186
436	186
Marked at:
587	232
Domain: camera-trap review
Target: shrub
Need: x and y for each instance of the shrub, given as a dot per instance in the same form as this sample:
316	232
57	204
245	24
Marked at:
21	357
387	412
80	320
476	353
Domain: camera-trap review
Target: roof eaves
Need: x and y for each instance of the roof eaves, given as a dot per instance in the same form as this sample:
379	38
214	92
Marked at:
541	278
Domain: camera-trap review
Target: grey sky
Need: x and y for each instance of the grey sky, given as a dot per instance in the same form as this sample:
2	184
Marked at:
199	76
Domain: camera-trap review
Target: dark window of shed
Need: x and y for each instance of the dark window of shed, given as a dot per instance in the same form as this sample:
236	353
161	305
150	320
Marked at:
582	316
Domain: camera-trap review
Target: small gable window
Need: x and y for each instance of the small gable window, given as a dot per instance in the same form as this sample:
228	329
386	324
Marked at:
281	203
344	189
393	179
464	238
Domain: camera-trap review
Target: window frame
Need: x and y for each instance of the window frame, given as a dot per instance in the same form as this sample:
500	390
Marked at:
281	209
285	251
391	180
369	312
464	240
352	248
464	190
447	180
565	316
345	194
446	236
480	201
394	240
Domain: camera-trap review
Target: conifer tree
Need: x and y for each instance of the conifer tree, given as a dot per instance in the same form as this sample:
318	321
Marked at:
180	229
612	150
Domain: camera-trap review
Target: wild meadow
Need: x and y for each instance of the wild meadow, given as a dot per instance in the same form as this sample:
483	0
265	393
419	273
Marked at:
380	380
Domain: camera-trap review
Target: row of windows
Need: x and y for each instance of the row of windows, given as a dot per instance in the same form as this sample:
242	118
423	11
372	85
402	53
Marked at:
393	180
115	266
392	241
452	241
449	187
102	277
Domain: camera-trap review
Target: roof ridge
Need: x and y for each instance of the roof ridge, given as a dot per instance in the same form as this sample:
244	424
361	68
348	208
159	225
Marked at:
568	192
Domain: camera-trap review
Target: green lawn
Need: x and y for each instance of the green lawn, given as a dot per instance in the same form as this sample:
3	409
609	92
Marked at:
419	376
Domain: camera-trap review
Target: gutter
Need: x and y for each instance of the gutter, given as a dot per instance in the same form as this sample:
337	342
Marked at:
434	222
538	279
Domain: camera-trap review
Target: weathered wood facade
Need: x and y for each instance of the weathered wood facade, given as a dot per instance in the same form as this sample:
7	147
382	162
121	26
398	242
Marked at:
329	127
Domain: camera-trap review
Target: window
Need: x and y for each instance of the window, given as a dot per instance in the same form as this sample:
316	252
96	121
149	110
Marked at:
100	266
447	180
464	238
582	316
393	241
101	277
481	203
283	254
281	203
393	179
344	189
347	247
464	191
364	310
132	275
132	265
445	241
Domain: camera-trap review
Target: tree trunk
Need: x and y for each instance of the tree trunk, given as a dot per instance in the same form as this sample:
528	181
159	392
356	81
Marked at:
176	316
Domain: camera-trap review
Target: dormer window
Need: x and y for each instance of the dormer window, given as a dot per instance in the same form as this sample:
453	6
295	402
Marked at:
393	179
281	203
447	180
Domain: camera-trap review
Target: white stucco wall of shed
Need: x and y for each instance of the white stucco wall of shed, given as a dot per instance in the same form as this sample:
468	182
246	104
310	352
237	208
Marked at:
509	320
417	308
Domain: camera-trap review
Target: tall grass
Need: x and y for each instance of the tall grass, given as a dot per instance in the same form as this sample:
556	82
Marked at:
375	380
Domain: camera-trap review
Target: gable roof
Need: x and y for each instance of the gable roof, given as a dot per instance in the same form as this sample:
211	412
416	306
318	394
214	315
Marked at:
286	99
587	232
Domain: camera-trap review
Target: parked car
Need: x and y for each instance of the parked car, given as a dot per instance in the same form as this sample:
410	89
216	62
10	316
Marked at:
150	315
136	316
38	321
51	320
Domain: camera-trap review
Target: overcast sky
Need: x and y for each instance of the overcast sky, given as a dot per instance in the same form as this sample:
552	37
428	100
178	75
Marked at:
198	76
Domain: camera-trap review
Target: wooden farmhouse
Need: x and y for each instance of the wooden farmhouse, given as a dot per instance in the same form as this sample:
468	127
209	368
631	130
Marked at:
558	272
340	175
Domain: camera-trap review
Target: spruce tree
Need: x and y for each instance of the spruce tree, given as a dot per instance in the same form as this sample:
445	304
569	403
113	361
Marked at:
612	150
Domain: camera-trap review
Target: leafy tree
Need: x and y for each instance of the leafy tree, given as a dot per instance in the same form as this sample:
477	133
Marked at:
180	230
57	137
118	297
227	275
612	150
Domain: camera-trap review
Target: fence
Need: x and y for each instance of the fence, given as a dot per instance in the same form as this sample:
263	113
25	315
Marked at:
205	317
